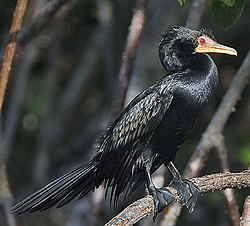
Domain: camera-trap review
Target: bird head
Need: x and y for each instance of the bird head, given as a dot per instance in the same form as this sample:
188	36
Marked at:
180	46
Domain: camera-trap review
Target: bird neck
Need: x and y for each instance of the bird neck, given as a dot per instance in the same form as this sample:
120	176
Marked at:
178	62
201	63
199	80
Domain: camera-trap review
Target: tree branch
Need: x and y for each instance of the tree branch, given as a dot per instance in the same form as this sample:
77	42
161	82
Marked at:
40	21
135	31
209	183
17	21
245	220
5	194
233	209
195	14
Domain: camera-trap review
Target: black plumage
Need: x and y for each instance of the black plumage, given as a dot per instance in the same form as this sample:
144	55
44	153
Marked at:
149	131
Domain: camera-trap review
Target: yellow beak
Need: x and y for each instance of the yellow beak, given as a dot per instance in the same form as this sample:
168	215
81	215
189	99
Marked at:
215	48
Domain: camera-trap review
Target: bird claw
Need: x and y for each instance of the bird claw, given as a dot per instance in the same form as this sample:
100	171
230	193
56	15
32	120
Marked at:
187	191
162	198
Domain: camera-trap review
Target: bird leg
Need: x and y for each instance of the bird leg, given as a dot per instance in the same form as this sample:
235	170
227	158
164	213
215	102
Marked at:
162	196
186	189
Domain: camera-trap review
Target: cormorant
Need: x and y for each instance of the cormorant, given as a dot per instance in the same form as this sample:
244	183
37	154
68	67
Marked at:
149	131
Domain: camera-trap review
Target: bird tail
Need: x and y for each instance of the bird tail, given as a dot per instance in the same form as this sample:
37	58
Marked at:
61	191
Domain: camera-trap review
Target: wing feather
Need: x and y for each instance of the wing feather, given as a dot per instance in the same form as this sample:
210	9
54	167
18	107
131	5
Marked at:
141	119
130	132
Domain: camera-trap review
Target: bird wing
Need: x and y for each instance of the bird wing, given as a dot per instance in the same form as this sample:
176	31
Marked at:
130	132
140	120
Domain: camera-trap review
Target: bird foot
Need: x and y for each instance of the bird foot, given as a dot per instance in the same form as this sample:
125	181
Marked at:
187	191
162	198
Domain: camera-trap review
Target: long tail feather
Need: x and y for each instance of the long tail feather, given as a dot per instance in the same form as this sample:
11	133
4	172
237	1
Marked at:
62	190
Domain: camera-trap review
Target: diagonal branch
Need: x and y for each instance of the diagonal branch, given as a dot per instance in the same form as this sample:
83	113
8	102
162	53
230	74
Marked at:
134	35
209	183
229	194
5	194
17	21
245	220
41	20
195	14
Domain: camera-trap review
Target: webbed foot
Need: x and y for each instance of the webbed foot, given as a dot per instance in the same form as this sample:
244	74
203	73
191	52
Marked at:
187	191
162	198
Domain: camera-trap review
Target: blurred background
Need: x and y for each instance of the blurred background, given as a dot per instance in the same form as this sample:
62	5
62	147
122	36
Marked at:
60	94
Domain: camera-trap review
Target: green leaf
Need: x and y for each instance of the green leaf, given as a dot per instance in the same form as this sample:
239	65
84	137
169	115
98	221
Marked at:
244	154
226	16
181	2
229	2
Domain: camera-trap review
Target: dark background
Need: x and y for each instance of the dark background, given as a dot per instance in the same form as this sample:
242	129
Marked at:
60	94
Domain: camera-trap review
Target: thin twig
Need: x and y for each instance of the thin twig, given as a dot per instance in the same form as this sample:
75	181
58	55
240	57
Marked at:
228	193
195	14
40	21
135	31
18	15
17	21
223	154
209	183
245	220
233	209
13	114
169	216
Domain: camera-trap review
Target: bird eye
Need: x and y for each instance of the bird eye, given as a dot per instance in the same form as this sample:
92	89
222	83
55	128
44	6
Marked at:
202	40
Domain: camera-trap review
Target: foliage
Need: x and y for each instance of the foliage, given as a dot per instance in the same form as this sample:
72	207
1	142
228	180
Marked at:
181	2
227	12
243	153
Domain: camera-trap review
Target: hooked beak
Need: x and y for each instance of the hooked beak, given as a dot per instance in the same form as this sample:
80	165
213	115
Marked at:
215	48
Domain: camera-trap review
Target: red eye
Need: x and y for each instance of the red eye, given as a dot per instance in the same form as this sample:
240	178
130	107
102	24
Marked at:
202	40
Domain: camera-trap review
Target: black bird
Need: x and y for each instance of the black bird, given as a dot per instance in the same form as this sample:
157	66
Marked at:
149	131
